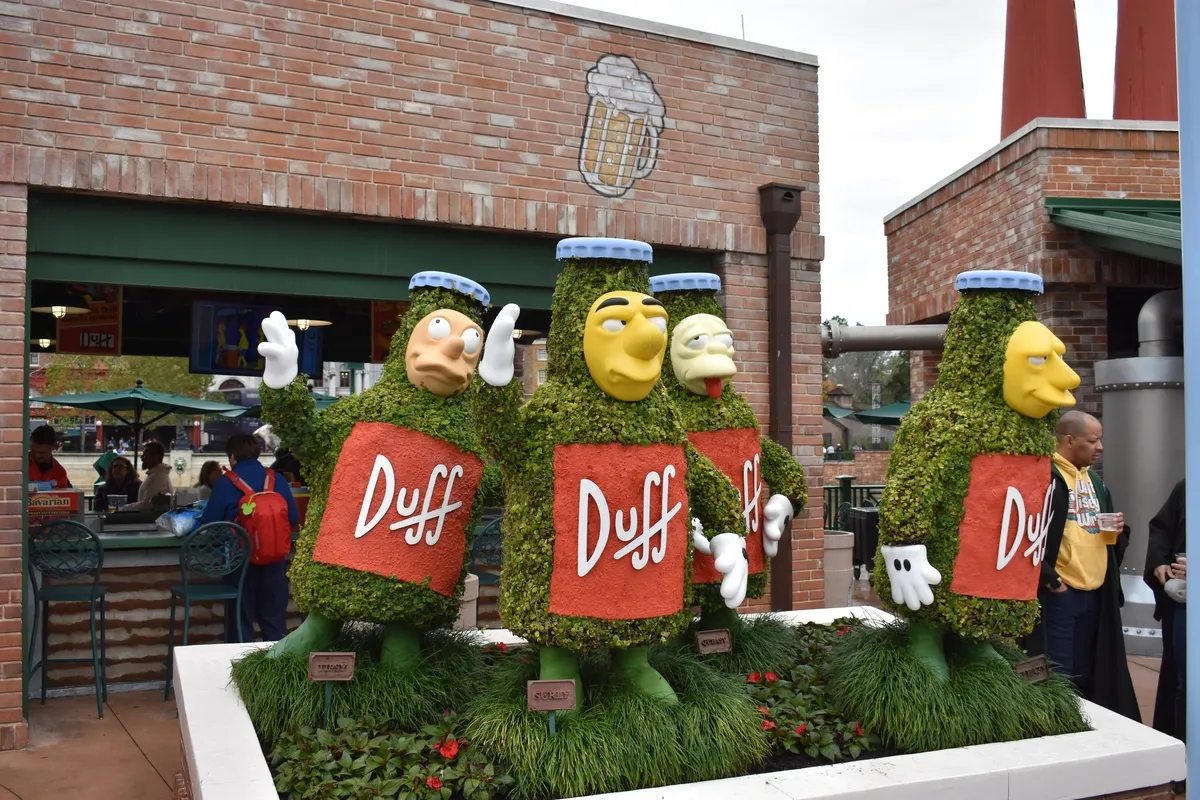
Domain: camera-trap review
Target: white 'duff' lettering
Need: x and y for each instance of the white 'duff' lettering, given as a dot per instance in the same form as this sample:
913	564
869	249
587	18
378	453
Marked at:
414	523
751	509
590	493
1032	528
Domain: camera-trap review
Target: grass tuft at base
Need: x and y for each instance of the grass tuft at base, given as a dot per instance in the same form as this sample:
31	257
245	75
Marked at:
621	740
278	694
760	643
870	675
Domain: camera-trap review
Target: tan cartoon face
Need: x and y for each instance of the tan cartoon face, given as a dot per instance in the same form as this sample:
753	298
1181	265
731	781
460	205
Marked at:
442	352
702	354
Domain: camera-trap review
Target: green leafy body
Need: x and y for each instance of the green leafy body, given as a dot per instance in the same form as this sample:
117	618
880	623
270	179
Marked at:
699	413
317	438
569	408
963	416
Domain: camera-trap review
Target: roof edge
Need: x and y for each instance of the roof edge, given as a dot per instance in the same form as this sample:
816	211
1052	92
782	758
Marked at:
1025	130
662	29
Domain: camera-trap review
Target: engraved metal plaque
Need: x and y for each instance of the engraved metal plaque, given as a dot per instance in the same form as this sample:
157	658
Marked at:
717	641
331	666
550	695
1034	670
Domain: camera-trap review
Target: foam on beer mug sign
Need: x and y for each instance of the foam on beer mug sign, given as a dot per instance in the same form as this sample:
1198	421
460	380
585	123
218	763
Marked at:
550	695
331	666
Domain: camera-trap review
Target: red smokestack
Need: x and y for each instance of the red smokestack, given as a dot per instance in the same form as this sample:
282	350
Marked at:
1043	76
1146	85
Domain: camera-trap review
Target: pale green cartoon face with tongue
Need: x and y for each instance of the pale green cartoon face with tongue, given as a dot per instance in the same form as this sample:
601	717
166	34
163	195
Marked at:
702	354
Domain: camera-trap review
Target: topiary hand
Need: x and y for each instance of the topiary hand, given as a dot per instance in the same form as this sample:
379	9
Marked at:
778	513
730	558
911	575
499	352
279	350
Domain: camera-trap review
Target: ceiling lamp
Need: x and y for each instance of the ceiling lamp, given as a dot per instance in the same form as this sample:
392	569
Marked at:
42	343
304	323
59	300
520	333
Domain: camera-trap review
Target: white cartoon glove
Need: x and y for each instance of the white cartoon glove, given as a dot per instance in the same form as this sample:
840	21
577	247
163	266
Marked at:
911	575
778	513
730	558
279	350
499	352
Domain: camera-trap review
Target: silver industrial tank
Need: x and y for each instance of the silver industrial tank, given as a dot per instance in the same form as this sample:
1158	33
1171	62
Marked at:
1142	403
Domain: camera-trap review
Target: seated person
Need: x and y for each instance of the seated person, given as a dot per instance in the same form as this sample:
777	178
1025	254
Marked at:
121	479
43	466
288	465
158	478
209	473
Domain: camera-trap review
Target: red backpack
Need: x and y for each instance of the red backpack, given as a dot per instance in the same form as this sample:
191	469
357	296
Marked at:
264	515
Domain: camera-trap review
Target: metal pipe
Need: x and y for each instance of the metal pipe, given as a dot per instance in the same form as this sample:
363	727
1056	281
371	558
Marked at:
837	338
1187	51
1160	325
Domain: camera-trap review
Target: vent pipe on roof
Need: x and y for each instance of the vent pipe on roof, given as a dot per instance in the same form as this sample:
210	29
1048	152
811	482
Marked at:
1043	75
1146	85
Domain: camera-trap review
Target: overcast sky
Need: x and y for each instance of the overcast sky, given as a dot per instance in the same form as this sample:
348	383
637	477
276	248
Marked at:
909	91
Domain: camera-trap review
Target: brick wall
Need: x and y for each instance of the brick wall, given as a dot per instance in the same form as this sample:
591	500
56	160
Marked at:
468	114
992	216
868	467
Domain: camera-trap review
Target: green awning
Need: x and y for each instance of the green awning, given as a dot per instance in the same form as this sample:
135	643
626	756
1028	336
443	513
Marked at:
837	412
1144	228
884	415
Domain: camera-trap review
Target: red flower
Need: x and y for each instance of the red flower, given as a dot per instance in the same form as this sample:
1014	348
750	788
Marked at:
768	725
842	631
433	782
763	710
801	728
502	647
448	748
771	677
858	728
754	677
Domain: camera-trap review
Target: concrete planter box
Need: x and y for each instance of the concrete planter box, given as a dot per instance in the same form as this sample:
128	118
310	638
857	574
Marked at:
222	759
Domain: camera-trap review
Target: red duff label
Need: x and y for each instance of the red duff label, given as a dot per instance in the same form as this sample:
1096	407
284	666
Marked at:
737	453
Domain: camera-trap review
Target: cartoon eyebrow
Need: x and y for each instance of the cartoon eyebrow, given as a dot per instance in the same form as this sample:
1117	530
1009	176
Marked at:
650	301
613	301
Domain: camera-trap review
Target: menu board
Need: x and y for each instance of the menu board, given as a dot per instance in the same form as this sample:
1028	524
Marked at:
97	333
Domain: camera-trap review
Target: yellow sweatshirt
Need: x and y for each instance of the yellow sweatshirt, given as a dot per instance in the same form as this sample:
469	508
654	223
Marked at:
1082	558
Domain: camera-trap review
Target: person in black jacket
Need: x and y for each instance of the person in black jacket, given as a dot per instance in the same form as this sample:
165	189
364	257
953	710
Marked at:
1167	539
1098	664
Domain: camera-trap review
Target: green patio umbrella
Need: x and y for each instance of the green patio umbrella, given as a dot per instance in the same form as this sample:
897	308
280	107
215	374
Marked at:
135	404
884	415
322	402
837	412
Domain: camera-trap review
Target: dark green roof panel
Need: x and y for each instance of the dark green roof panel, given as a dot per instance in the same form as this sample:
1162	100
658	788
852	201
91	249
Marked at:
1144	228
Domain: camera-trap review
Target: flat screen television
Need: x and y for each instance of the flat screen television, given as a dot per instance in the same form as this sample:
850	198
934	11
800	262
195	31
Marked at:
225	338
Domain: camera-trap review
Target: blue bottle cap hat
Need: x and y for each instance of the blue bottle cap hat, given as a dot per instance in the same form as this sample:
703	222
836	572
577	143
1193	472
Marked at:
1000	279
685	281
448	280
599	247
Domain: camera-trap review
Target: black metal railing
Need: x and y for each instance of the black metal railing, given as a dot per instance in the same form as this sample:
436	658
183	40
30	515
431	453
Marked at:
846	495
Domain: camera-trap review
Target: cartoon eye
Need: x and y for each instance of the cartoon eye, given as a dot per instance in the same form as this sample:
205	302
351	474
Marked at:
725	339
613	325
698	342
1037	361
660	323
439	328
470	341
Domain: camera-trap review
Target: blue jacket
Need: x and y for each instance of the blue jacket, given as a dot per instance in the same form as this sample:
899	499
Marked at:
223	505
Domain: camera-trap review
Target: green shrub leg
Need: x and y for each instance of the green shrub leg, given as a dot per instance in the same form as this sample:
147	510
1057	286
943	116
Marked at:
317	632
981	653
926	646
560	664
633	664
401	647
723	618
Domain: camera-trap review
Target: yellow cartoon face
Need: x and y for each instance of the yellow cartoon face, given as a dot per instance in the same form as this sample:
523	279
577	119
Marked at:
442	352
702	354
624	343
1036	378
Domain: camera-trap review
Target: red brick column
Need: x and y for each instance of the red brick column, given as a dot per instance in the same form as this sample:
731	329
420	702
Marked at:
14	731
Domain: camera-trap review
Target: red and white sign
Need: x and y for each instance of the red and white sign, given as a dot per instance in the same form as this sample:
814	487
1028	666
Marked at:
1002	536
620	527
737	453
398	506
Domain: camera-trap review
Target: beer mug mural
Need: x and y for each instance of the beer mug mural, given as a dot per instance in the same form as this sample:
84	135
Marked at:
624	120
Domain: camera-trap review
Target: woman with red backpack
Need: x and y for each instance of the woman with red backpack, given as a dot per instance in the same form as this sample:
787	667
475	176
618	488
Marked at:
260	500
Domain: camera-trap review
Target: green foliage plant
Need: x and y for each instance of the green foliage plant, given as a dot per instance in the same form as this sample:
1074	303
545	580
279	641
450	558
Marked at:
780	472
